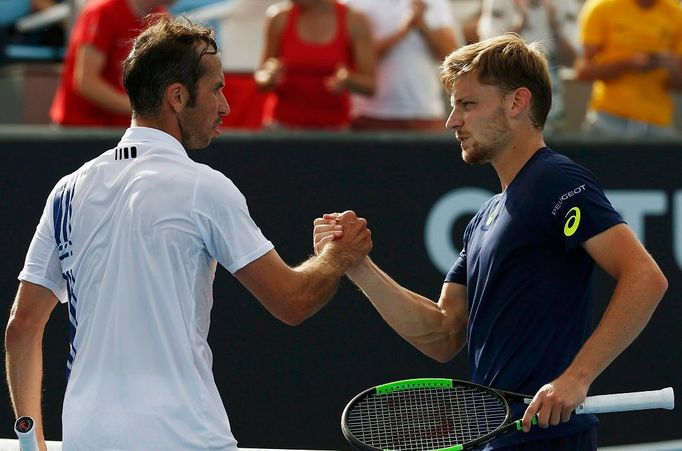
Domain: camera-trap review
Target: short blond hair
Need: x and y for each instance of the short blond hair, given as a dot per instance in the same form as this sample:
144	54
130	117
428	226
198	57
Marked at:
507	62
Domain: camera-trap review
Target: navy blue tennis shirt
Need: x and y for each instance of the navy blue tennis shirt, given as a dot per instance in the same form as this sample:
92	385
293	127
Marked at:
529	279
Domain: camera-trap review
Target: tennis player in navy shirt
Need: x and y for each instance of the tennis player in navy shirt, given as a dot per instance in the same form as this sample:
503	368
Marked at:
519	295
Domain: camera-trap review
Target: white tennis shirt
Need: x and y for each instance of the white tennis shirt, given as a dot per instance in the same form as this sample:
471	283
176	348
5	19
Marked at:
130	241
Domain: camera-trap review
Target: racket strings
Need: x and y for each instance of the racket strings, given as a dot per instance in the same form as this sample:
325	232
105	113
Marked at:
425	419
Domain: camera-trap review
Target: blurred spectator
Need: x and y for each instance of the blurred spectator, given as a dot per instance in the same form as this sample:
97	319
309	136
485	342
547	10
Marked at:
11	12
315	52
469	24
632	53
412	37
54	34
550	22
239	31
91	90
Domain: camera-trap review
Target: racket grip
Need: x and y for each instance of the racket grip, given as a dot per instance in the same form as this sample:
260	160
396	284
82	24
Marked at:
623	402
26	433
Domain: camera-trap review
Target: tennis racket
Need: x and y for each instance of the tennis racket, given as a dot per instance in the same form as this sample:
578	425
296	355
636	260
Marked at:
453	415
26	434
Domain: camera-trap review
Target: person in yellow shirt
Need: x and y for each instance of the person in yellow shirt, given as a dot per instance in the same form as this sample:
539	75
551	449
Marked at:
632	52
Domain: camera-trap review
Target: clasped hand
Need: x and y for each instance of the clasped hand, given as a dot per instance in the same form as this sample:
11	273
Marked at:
345	230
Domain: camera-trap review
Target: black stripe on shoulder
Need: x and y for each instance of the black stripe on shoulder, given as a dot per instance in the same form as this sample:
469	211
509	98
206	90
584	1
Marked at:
124	153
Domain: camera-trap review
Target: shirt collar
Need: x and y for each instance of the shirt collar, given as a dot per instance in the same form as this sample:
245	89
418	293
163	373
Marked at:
151	140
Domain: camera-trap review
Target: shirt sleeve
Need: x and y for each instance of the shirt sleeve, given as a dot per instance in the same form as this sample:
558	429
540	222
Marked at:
98	30
42	265
224	223
576	208
592	23
458	272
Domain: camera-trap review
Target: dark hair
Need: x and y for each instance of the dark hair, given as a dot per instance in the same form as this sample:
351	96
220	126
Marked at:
167	51
507	62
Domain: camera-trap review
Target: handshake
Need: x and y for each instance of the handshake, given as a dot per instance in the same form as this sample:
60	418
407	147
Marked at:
345	235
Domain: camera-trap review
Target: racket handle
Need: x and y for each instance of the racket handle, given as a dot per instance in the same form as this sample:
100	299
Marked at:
26	433
622	402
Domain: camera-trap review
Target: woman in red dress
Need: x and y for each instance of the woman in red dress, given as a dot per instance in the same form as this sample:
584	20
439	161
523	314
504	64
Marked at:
315	53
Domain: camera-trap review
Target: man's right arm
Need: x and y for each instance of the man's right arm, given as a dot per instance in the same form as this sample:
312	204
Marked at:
23	350
294	294
436	329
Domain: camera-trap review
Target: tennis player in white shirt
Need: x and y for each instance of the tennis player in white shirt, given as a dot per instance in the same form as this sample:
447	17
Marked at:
131	241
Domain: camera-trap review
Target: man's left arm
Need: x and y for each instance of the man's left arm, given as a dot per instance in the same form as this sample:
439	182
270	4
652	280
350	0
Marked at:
640	285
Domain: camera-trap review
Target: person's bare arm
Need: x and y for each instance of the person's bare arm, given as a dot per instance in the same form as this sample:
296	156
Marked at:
385	45
639	288
440	41
294	294
88	81
269	71
362	78
589	68
672	63
565	50
437	329
23	351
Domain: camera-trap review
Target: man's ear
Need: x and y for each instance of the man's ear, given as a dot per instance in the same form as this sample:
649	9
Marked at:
177	96
519	101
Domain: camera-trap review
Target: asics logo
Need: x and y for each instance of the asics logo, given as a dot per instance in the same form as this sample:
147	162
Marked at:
573	222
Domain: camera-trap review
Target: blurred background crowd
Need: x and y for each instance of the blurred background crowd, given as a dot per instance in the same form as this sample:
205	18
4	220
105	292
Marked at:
350	64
